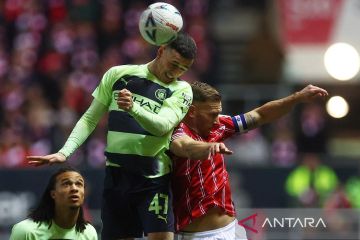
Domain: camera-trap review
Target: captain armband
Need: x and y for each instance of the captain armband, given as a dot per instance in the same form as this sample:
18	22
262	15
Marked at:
240	123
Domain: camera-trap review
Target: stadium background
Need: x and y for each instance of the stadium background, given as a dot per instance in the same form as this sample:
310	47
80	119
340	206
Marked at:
54	52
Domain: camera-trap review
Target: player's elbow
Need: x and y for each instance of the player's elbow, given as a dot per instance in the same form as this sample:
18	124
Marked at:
161	129
158	132
177	148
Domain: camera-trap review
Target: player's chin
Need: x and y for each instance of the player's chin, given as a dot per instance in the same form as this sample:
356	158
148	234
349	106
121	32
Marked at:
169	77
208	130
75	203
206	134
75	206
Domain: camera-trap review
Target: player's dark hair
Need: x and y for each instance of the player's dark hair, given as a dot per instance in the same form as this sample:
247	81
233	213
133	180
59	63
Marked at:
185	45
203	92
45	210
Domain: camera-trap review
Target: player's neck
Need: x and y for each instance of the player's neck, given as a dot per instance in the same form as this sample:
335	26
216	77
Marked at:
153	68
66	218
191	125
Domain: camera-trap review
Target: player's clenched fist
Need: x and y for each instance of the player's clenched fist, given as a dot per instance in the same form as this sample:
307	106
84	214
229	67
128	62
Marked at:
124	100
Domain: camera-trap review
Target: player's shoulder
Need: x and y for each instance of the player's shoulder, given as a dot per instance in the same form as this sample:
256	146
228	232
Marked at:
224	117
182	128
181	83
25	224
183	90
24	227
90	231
116	72
128	67
226	121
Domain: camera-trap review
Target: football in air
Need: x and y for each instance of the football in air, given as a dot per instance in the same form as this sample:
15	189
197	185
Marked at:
160	23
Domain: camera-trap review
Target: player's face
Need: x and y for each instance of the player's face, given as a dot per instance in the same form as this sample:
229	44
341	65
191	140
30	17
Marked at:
172	65
206	116
69	190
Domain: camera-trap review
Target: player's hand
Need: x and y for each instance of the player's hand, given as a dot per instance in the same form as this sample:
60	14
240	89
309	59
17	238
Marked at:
48	159
218	148
124	100
311	93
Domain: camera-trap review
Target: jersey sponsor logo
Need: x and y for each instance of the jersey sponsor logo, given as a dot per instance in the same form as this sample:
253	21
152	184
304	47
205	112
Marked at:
160	94
187	99
143	102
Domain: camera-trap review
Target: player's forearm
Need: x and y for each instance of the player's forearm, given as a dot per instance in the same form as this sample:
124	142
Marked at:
156	124
275	109
190	149
77	137
198	150
83	128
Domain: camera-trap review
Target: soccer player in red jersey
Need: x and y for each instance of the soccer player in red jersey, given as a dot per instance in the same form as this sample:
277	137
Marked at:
202	198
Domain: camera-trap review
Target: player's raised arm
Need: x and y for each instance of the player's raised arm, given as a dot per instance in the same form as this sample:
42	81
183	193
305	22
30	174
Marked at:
275	109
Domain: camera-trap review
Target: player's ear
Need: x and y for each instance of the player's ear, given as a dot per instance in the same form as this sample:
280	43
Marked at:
160	51
191	111
52	194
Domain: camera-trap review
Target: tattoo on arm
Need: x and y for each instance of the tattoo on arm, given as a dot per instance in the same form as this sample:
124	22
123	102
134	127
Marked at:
251	120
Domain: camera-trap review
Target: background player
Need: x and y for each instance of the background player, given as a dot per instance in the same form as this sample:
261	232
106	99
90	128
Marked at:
59	214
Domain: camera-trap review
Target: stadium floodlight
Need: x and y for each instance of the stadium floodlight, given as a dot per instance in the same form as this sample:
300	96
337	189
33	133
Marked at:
337	107
342	61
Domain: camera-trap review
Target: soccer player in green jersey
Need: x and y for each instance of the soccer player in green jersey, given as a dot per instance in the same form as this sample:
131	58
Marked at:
145	103
59	214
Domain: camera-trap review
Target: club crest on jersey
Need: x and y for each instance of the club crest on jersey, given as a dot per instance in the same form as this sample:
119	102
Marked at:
160	94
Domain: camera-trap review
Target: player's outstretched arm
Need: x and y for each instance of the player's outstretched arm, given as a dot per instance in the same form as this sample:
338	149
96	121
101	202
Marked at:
48	159
275	109
79	134
196	150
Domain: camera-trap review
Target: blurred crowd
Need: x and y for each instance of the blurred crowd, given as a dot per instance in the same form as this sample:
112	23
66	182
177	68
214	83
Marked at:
53	54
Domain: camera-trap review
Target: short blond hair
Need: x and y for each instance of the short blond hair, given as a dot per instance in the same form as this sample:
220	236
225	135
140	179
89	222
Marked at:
203	92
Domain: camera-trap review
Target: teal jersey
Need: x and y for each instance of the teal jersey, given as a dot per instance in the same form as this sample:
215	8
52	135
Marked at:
30	230
138	140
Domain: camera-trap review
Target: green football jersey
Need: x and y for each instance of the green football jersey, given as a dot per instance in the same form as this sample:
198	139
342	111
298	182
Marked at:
30	230
138	140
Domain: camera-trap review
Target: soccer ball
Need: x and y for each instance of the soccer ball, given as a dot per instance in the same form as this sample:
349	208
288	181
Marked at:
160	23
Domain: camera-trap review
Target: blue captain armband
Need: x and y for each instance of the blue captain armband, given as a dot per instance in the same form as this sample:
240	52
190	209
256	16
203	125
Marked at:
240	123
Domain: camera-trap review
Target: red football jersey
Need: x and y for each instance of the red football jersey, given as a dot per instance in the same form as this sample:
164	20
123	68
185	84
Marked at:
199	185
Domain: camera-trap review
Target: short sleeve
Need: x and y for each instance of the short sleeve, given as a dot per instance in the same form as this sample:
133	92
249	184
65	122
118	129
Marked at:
178	132
90	232
228	123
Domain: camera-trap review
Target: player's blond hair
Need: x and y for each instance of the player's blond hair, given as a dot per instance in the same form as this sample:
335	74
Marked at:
203	92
